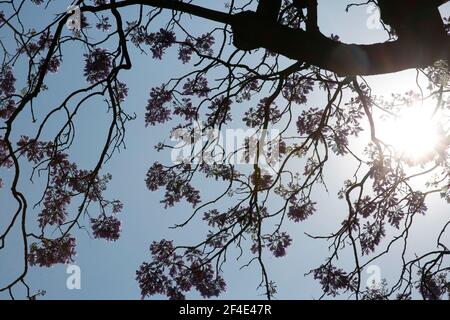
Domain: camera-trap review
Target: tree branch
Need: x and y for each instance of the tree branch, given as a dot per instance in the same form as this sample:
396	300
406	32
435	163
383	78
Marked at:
252	31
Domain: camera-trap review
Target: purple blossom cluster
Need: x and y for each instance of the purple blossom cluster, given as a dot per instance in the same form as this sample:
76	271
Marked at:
7	109
7	90
365	206
332	279
203	45
173	275
177	187
433	286
7	81
309	121
297	88
157	112
97	65
34	48
255	118
65	181
197	86
50	252
106	227
261	181
160	41
278	243
157	41
52	66
371	236
186	109
103	24
220	111
120	91
301	211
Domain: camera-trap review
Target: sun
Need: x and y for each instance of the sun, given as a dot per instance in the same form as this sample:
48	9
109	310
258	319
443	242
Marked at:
416	133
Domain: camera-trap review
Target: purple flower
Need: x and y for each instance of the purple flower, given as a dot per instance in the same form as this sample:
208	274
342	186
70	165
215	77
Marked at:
50	252
104	24
300	212
278	243
160	41
106	228
296	89
7	109
197	86
186	110
371	236
220	108
7	81
98	65
172	274
254	118
332	279
156	177
55	204
309	120
156	110
202	44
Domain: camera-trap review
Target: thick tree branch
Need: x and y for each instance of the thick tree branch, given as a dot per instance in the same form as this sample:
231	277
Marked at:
252	31
344	59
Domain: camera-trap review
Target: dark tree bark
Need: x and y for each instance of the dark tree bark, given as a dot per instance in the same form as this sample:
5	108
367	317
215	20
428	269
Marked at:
423	38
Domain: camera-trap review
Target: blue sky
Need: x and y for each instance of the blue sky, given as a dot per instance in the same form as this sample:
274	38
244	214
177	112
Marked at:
108	269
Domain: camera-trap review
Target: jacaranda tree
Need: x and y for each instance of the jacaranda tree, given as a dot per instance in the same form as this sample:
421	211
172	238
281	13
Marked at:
254	65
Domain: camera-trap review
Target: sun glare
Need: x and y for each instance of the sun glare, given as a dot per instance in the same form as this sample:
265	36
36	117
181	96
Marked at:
416	133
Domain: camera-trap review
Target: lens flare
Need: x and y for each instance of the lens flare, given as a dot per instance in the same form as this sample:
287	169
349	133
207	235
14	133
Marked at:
416	133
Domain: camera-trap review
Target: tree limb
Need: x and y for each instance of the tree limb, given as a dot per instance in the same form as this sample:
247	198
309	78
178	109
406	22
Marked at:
252	31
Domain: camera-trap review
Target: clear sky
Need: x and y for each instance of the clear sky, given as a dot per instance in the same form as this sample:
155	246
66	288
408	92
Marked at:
108	269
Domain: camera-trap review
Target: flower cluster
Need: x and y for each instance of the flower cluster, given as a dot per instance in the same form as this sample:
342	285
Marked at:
255	118
371	236
5	159
278	243
7	81
332	279
309	121
157	112
365	207
50	252
177	187
186	110
202	45
433	286
97	65
173	275
65	181
159	42
197	86
220	111
103	24
301	211
106	227
297	88
7	89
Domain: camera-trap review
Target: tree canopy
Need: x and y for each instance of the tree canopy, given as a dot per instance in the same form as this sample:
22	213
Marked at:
254	65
